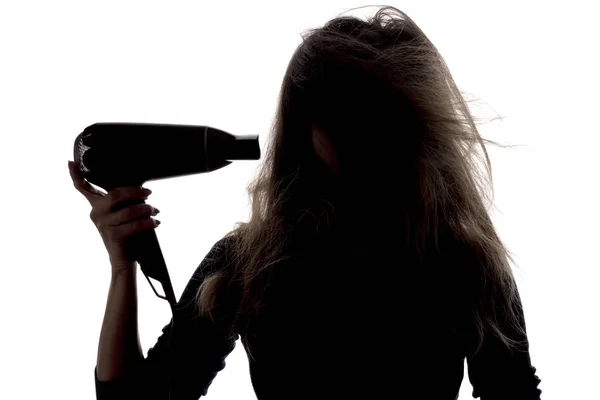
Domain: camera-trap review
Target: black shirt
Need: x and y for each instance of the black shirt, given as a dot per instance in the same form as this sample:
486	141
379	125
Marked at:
352	329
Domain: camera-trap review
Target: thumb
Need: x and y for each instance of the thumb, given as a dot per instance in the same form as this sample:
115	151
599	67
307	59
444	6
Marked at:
83	186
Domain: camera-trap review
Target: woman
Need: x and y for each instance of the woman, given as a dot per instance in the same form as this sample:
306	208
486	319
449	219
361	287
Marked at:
370	267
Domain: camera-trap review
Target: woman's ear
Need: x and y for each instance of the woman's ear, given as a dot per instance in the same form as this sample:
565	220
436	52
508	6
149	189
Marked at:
324	149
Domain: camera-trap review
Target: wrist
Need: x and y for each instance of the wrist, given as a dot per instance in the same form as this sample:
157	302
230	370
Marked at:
118	269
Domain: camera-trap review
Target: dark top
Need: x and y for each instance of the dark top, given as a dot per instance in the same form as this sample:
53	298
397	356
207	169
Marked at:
360	329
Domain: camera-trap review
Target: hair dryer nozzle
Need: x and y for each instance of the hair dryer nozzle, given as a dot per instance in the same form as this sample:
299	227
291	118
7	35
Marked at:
245	148
231	147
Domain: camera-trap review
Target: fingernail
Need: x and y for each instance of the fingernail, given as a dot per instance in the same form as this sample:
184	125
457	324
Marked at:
147	191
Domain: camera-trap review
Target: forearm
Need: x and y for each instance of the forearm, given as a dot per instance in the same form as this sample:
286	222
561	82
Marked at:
119	349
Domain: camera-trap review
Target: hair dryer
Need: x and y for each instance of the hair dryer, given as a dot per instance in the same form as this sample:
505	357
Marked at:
111	155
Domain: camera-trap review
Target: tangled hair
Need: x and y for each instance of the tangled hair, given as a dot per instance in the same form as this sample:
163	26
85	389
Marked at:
384	95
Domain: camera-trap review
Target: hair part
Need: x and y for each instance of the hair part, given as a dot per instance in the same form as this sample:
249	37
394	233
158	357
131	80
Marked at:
367	83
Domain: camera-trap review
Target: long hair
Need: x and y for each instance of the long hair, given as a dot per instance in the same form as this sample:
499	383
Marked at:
385	97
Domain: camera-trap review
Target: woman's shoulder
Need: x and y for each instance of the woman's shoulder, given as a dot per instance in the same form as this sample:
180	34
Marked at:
223	246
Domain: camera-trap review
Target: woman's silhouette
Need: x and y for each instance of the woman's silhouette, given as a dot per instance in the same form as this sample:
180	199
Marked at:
370	267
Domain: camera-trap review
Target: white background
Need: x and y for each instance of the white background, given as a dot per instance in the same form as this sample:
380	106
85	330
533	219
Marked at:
67	65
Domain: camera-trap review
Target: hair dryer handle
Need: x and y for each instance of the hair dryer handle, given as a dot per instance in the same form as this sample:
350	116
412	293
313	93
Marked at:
146	250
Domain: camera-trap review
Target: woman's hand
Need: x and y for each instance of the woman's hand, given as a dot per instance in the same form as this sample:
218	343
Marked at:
115	223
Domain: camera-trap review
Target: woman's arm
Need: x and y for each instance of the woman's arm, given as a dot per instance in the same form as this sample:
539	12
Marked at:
119	350
497	373
191	359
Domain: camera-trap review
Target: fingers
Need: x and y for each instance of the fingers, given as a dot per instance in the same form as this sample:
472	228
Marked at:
118	234
115	207
118	199
129	214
